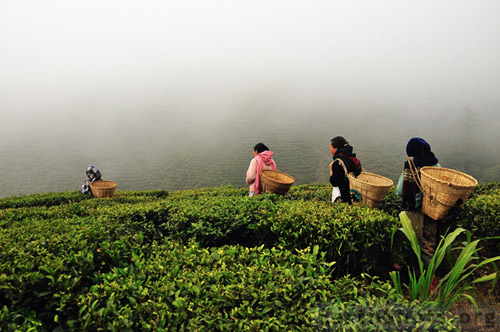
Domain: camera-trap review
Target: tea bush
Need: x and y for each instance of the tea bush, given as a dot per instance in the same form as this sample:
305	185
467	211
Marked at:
45	264
322	193
47	199
311	192
391	203
485	189
189	288
211	259
358	238
186	288
480	214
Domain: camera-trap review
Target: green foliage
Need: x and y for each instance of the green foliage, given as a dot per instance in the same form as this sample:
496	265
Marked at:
11	320
44	264
211	259
226	289
391	203
241	289
48	199
311	192
358	238
480	214
485	189
381	314
454	285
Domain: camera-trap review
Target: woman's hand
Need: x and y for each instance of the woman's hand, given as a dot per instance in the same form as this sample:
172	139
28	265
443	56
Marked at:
331	165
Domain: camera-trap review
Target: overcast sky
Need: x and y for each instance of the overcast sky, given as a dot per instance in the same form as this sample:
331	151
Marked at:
74	59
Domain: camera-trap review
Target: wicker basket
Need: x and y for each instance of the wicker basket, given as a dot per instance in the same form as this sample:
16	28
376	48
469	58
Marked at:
101	189
371	186
275	182
442	188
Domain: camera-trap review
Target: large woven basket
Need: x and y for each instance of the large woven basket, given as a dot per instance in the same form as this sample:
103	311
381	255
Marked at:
371	186
443	188
101	189
275	182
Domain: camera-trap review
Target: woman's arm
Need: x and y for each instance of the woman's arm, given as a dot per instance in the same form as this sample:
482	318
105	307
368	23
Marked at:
399	188
338	176
251	172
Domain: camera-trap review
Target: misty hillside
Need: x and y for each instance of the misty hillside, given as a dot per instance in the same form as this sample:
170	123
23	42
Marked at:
173	95
174	154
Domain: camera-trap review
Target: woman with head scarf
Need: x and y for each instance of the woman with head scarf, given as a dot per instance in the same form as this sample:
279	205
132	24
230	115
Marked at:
93	174
343	155
262	161
420	151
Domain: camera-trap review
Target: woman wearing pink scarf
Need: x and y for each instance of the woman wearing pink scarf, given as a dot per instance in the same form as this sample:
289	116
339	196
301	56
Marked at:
262	161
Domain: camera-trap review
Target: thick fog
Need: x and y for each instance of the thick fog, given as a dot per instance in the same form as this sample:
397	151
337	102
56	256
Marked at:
132	85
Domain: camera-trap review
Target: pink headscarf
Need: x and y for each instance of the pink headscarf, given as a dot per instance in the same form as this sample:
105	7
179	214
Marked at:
262	158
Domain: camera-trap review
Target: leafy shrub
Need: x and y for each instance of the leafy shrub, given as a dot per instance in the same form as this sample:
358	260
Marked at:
311	192
121	263
391	203
186	288
47	199
480	215
44	264
357	238
374	313
322	193
189	288
452	287
146	193
13	321
485	189
219	220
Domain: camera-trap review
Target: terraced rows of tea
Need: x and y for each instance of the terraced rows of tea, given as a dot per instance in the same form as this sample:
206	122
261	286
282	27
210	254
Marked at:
212	259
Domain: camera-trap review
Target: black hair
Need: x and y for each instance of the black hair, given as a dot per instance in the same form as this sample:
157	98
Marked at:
338	142
260	147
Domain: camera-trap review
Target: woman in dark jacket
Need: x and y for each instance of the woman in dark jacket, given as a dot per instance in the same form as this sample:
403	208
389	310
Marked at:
420	152
343	153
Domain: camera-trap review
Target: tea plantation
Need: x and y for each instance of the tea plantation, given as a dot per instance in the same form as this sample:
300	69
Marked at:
211	260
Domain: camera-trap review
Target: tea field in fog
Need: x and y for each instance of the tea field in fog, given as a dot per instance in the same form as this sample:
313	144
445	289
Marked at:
197	154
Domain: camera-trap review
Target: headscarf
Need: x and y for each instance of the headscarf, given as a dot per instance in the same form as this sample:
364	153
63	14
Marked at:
422	155
262	158
421	152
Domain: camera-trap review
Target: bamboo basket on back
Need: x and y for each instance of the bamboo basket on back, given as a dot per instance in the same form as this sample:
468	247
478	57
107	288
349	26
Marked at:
101	189
275	182
442	188
371	186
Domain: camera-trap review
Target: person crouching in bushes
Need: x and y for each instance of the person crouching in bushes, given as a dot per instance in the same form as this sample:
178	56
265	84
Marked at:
93	174
420	152
343	155
262	161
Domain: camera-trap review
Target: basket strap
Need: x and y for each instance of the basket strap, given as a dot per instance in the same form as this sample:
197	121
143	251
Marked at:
416	175
341	163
